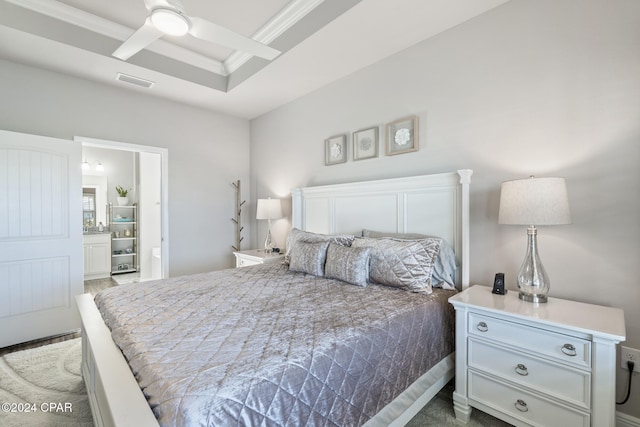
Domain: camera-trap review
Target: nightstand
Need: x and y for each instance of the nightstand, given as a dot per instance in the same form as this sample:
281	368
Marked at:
256	256
548	364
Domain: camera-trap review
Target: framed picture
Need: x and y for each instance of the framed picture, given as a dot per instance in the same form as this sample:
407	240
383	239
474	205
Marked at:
365	143
402	136
335	150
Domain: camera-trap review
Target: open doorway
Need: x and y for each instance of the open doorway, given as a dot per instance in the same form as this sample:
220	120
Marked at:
137	230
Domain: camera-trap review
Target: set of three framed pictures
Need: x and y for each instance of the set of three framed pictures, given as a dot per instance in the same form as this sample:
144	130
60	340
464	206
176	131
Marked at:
401	137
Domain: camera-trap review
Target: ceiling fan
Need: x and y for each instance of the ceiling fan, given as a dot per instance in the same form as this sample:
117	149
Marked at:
169	17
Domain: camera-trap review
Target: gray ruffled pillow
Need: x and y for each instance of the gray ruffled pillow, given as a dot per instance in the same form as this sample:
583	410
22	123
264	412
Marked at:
348	264
309	257
444	268
297	235
405	264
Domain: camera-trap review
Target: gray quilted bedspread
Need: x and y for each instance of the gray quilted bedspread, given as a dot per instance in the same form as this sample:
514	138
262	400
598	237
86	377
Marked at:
262	346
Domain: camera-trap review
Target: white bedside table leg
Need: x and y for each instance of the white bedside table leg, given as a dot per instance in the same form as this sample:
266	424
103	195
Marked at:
460	402
461	408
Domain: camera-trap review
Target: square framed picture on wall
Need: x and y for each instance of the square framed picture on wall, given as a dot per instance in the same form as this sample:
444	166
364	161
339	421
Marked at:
402	136
335	150
365	143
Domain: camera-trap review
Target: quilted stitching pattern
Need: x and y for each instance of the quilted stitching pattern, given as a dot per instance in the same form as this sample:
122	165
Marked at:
233	347
296	235
405	264
309	258
348	264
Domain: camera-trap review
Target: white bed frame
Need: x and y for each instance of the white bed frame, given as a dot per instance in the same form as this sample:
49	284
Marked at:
430	204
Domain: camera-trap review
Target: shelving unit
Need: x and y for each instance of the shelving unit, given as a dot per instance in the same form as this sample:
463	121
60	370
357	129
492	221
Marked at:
123	222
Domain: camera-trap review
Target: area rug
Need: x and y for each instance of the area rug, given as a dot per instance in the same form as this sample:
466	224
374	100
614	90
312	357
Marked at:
43	387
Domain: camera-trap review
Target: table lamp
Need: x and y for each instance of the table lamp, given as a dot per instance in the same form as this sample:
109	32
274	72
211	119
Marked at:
269	209
534	201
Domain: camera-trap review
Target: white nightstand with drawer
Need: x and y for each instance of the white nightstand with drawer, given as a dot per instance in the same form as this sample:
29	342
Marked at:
547	364
256	256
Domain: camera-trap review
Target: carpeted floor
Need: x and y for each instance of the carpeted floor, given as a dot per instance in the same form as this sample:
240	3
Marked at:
42	387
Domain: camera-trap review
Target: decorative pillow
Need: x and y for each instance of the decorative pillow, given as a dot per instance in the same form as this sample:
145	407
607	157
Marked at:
308	257
350	265
297	235
444	266
405	264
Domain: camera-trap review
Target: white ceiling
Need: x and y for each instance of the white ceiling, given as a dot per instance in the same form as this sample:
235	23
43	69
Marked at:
321	41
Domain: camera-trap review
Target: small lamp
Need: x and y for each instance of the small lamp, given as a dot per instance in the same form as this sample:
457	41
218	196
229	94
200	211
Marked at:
269	209
534	201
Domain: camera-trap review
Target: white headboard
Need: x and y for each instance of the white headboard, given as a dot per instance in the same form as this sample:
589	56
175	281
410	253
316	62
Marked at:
437	205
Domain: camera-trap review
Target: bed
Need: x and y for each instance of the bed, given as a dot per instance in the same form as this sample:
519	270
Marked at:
340	354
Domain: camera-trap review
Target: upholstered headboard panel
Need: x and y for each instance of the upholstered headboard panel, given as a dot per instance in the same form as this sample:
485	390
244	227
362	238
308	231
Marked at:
436	205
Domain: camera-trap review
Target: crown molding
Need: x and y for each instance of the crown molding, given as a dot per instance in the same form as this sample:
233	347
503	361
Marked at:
288	16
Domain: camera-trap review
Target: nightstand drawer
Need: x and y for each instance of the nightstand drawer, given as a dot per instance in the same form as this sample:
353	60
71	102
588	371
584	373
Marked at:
557	380
243	262
256	256
563	348
526	407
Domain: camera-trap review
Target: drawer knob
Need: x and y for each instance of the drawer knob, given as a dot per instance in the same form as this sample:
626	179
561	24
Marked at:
522	370
482	327
521	405
569	350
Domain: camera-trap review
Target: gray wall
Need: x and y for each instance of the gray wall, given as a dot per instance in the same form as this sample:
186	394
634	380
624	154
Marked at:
544	87
207	151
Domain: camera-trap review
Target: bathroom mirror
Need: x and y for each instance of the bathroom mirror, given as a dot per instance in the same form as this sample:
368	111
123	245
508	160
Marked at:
94	195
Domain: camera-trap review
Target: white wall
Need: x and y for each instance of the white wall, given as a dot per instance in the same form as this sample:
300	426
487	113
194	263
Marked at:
118	169
207	151
542	87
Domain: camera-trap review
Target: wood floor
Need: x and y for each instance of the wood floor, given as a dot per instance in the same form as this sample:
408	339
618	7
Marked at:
91	287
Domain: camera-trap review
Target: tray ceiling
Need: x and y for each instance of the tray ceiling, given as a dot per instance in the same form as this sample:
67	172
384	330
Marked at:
320	41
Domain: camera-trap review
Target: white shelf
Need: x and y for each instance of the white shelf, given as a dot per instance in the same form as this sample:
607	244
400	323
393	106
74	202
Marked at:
131	270
130	216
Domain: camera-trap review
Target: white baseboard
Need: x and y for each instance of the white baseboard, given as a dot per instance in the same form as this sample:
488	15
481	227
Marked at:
624	420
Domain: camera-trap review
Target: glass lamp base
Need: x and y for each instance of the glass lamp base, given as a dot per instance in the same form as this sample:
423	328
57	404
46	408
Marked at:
533	282
268	243
532	297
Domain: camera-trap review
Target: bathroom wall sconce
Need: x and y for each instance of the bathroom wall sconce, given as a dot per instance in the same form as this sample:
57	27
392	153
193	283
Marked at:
86	166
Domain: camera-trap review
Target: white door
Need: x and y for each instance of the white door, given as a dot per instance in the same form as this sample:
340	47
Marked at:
40	236
150	215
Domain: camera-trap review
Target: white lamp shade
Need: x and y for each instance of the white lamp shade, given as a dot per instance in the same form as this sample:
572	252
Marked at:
269	209
534	201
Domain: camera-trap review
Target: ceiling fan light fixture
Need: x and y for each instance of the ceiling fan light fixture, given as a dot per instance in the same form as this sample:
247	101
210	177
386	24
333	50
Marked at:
170	22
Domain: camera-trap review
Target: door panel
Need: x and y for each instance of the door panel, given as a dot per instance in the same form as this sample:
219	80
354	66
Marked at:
40	236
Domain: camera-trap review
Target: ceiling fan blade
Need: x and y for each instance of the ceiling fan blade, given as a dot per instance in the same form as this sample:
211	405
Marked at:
205	30
142	38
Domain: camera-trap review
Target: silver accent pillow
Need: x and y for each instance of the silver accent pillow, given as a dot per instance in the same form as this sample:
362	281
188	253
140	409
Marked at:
297	235
309	257
445	266
405	264
348	264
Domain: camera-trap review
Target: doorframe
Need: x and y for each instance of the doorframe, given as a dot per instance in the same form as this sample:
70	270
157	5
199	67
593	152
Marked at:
164	185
